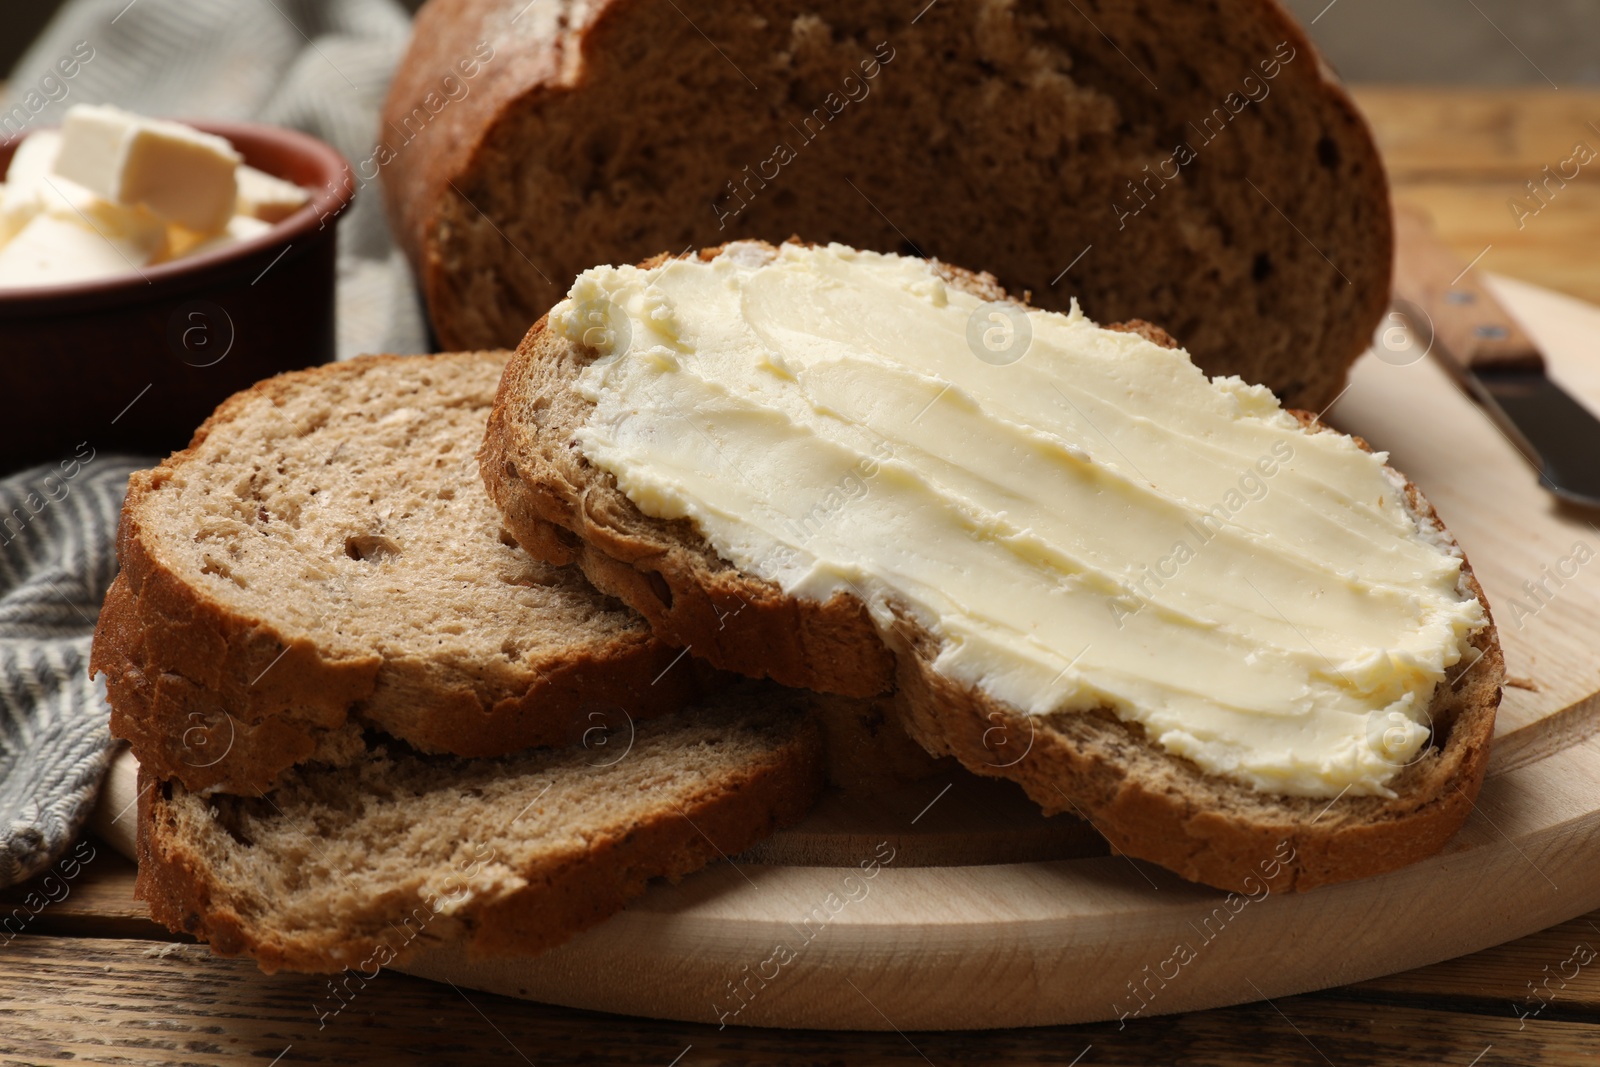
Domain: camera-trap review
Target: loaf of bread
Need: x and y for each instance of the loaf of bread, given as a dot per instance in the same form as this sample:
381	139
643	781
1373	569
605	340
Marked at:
1194	165
352	868
323	559
1147	800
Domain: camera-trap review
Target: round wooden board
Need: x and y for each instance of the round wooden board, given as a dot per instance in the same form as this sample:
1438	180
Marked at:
981	913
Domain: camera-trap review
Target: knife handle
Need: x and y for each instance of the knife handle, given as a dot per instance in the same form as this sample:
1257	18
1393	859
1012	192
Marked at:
1470	328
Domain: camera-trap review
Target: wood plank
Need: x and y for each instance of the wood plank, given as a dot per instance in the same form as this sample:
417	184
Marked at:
134	1002
96	902
102	906
1474	217
1464	155
1551	974
1538	979
1454	133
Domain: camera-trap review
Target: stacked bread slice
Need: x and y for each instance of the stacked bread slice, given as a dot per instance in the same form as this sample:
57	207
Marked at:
359	707
365	645
358	867
324	545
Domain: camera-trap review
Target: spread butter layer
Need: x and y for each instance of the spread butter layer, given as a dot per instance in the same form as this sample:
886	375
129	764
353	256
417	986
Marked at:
1081	517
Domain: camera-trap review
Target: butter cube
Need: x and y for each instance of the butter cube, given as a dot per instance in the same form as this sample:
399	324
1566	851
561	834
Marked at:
51	250
33	159
177	173
182	242
129	228
19	201
9	223
265	197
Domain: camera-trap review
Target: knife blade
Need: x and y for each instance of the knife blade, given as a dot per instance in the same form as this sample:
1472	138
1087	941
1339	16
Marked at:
1491	357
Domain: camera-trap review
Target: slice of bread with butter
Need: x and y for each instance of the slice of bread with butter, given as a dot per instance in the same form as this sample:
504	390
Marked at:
1234	640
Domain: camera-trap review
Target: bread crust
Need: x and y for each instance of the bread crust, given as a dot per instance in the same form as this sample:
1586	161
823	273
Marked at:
227	701
557	898
1146	802
539	64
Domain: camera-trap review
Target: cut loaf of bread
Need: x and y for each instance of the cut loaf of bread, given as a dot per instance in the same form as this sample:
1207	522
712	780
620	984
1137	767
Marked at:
1191	164
350	869
1146	801
323	558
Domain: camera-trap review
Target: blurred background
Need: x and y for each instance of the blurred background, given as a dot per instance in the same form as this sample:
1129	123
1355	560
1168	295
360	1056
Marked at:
1472	42
1478	42
25	18
1462	97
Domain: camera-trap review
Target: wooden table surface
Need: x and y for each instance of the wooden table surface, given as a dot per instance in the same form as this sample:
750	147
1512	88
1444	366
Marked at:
90	978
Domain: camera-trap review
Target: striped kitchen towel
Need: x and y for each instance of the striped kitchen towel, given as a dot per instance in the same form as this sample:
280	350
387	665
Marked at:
57	558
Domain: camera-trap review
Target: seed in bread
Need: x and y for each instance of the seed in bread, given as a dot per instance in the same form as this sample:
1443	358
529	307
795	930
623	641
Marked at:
322	559
1079	533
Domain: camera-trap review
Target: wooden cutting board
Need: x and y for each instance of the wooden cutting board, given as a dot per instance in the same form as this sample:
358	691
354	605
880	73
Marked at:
978	912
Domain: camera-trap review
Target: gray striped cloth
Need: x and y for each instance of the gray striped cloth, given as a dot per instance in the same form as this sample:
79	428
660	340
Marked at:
321	66
57	558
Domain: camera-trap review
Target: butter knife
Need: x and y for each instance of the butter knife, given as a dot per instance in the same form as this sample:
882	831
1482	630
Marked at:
1498	365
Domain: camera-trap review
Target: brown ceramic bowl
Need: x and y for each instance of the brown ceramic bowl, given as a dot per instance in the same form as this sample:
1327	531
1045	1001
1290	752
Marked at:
134	363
